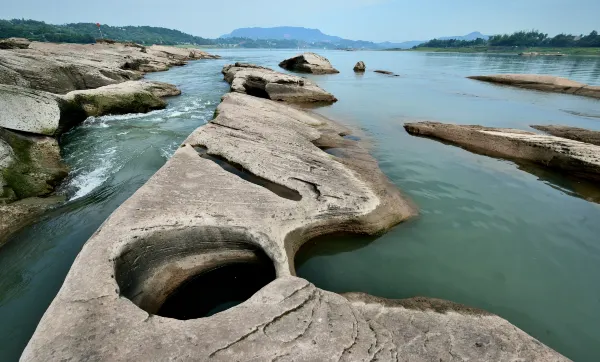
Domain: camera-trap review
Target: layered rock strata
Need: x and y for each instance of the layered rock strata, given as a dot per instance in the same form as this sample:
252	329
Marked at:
195	216
572	133
568	156
309	63
266	83
545	83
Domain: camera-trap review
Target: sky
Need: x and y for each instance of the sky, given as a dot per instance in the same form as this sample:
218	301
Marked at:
374	20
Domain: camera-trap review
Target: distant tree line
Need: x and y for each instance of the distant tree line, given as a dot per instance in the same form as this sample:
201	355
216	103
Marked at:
531	38
88	32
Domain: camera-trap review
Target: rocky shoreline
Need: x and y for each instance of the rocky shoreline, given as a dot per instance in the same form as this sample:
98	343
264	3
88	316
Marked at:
248	189
47	88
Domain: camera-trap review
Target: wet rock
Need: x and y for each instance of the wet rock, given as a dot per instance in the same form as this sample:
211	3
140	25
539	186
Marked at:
193	216
572	133
568	156
6	159
14	43
34	167
360	67
386	72
267	83
61	68
123	98
545	83
309	63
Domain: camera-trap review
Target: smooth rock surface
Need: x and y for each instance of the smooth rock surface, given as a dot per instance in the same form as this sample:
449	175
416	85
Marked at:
267	83
122	98
61	68
193	216
546	83
309	63
568	156
572	133
360	67
14	43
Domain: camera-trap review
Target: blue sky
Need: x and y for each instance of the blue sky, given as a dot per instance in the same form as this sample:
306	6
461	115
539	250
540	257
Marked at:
376	20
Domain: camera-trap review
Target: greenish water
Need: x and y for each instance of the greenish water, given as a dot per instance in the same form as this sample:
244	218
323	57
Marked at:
514	240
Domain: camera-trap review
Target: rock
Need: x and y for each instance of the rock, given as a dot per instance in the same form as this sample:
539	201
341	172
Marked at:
572	133
267	83
14	43
23	212
309	63
34	111
122	98
61	68
386	72
360	67
6	159
568	156
36	167
546	83
176	227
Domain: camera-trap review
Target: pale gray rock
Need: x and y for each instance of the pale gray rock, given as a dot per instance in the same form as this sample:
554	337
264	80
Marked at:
14	43
182	54
267	83
309	63
18	214
572	133
193	216
545	83
569	156
360	67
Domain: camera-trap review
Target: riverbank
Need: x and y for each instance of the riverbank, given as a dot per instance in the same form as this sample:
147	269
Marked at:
516	51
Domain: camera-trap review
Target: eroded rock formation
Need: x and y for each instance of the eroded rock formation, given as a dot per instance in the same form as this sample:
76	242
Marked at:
309	63
14	43
360	67
200	213
568	156
266	83
546	83
572	133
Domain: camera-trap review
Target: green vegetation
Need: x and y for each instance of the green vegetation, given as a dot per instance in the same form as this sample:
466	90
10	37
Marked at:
521	41
88	32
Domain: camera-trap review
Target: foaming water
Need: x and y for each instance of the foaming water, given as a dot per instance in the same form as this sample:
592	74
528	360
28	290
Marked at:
515	240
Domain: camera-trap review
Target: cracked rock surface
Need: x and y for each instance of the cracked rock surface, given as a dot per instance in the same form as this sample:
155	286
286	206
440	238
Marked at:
266	83
193	216
546	83
565	155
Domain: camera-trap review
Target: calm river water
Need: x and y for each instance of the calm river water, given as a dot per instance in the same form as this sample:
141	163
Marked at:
512	239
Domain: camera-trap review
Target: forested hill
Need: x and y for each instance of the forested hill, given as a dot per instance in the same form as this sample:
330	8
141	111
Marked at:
88	32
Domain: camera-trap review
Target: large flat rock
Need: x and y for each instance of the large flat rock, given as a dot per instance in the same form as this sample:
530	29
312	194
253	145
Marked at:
267	83
546	83
568	156
572	133
309	63
195	216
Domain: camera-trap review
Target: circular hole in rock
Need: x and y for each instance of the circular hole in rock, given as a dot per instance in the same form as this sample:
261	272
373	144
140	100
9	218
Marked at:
216	290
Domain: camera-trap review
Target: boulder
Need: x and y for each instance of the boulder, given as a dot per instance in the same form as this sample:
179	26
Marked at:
267	83
572	133
266	188
35	166
122	98
309	63
545	83
360	67
14	43
564	155
386	72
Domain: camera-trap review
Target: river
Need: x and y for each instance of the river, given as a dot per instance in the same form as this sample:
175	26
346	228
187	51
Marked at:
512	239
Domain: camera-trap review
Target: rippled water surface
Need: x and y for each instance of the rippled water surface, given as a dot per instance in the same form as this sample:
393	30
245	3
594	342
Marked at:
516	240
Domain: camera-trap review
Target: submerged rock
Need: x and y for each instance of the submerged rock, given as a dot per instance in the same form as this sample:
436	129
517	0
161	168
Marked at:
122	98
546	83
267	83
14	43
386	72
572	133
309	63
572	157
360	67
35	166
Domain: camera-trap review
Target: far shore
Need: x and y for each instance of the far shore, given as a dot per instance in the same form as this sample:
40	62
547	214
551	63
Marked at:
486	50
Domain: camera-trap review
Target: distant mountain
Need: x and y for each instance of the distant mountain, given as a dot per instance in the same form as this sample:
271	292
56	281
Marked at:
283	33
409	44
471	36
